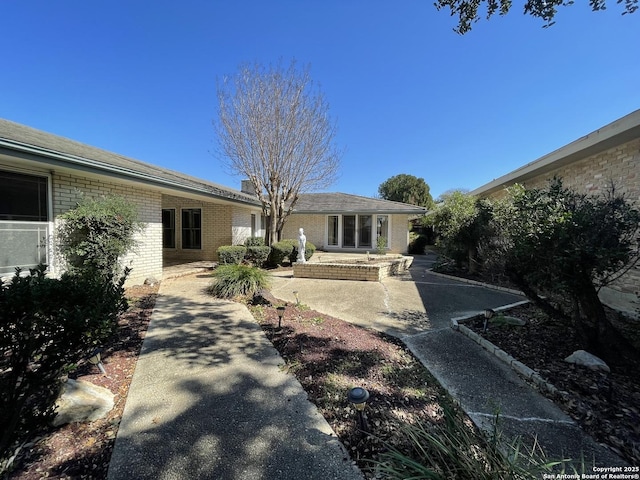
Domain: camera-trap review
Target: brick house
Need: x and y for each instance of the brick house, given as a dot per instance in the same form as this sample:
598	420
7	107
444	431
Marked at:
343	222
610	155
185	218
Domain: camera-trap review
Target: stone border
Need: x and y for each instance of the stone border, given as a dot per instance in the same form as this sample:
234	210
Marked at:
528	373
475	282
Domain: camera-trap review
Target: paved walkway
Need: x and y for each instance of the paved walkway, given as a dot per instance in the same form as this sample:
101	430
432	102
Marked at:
418	308
209	401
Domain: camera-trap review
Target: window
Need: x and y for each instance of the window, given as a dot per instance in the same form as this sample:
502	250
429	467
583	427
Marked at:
348	230
24	221
23	197
191	228
357	231
364	231
254	226
168	228
332	230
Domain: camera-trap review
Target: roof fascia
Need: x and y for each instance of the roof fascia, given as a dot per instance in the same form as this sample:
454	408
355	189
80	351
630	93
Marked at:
616	133
359	212
56	159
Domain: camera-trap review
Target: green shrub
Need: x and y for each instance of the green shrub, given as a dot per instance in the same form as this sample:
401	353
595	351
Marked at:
417	245
381	245
309	250
254	242
47	326
231	254
257	255
234	280
94	236
281	252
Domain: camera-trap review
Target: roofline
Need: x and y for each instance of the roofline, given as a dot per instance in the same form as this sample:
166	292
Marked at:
373	212
616	133
57	159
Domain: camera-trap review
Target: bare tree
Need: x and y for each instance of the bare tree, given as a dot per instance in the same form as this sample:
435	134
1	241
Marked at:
274	128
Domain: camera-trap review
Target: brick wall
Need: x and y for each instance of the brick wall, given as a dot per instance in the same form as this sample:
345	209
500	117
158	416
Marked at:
399	233
216	229
146	260
314	226
222	224
593	175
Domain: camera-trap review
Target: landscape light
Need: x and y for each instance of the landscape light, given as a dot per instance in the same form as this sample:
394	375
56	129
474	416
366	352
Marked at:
488	314
280	315
95	359
358	397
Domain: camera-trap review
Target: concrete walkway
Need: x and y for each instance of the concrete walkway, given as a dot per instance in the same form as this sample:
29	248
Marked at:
417	308
208	400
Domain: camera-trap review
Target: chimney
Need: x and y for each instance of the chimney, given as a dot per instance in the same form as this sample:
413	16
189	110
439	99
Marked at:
247	187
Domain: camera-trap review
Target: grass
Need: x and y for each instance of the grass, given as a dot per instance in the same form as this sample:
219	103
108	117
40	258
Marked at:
230	281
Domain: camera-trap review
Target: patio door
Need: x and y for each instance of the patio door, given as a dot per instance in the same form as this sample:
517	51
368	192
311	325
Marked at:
348	230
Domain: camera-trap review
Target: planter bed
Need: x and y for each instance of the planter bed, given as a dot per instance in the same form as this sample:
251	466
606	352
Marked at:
363	271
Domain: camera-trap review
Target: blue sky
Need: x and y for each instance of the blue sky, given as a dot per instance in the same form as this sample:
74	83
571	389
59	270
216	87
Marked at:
409	95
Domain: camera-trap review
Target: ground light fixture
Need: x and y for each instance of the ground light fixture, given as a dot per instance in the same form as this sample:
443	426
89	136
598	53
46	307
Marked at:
96	359
280	315
358	397
488	315
295	292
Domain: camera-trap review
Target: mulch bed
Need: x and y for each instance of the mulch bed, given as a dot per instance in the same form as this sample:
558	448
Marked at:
605	405
83	450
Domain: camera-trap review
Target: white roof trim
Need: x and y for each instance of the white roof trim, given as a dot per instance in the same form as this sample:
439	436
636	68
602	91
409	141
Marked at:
616	133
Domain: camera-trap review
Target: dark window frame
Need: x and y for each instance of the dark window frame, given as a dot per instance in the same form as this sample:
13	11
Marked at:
169	228
191	228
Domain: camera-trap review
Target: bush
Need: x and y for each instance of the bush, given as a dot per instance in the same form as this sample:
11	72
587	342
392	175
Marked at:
234	280
254	242
257	255
309	250
381	245
231	254
47	326
281	251
94	236
418	244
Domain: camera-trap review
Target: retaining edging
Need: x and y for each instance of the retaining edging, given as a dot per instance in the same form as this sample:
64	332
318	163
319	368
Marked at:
519	367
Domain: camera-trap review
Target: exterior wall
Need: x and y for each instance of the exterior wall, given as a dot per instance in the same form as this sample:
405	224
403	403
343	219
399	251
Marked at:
241	221
619	166
216	229
399	233
146	260
315	230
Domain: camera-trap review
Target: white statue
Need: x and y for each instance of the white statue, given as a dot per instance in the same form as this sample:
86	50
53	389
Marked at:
302	241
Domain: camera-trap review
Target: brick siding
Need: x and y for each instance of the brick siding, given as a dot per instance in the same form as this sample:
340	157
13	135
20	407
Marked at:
146	260
619	166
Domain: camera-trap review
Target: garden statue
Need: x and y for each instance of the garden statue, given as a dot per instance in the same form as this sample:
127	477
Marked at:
302	240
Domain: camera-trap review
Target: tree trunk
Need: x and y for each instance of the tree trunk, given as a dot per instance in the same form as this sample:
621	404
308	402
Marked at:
603	339
473	264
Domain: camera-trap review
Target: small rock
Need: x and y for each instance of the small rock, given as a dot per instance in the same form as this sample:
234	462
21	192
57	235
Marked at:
151	281
586	359
264	297
82	401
